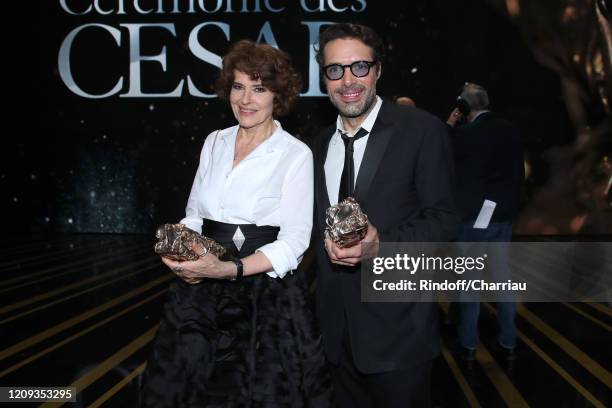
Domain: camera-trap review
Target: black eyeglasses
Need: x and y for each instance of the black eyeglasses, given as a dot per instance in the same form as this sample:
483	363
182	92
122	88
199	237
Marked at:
333	72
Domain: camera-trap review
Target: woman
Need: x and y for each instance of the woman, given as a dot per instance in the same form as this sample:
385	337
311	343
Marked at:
240	333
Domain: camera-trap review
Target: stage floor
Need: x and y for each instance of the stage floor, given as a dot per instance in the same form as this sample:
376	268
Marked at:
82	310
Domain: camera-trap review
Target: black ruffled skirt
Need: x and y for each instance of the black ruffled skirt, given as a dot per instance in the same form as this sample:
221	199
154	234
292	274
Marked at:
252	343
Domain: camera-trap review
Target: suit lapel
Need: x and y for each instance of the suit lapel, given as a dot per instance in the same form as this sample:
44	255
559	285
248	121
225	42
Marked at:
374	152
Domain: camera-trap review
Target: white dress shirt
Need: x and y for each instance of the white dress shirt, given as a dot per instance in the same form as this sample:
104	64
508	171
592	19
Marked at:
273	185
334	162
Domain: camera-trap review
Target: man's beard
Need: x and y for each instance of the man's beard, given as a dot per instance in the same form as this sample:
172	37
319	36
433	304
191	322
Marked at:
354	109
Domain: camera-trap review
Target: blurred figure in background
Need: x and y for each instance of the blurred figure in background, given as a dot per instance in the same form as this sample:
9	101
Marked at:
405	100
490	173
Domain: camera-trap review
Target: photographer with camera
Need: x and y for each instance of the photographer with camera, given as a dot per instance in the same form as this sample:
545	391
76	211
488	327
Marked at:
490	172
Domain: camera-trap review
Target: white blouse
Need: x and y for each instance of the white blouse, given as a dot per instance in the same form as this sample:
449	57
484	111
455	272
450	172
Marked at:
273	185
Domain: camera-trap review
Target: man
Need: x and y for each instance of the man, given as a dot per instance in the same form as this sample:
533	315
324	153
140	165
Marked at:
489	166
401	167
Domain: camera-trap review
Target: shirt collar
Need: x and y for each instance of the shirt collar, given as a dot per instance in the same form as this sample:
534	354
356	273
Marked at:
368	122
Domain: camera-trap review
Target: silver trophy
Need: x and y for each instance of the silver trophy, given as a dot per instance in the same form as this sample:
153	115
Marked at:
346	224
180	243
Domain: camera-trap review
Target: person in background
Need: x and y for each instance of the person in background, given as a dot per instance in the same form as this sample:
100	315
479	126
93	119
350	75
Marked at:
489	167
405	100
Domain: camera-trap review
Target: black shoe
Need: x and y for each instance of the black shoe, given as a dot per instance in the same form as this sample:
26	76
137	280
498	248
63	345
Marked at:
507	353
467	356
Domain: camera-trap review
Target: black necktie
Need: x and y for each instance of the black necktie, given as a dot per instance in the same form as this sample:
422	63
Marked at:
347	180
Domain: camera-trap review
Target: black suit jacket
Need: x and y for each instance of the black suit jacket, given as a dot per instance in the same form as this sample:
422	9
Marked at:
404	185
489	165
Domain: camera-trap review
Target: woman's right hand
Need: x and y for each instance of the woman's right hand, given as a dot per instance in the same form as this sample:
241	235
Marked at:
207	266
177	268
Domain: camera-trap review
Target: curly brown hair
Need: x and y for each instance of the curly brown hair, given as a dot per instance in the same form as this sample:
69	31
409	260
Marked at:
261	61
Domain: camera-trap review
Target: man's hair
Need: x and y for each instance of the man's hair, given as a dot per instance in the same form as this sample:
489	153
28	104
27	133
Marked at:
350	31
476	96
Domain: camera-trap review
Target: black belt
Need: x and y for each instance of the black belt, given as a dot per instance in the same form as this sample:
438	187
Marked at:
229	235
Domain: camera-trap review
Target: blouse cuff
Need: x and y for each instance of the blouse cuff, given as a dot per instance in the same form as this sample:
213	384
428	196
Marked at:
192	223
280	256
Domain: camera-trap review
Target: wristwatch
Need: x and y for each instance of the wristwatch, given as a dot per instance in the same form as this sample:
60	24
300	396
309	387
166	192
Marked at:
239	269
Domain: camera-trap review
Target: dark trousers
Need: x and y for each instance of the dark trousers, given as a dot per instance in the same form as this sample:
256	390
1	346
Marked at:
394	389
506	309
